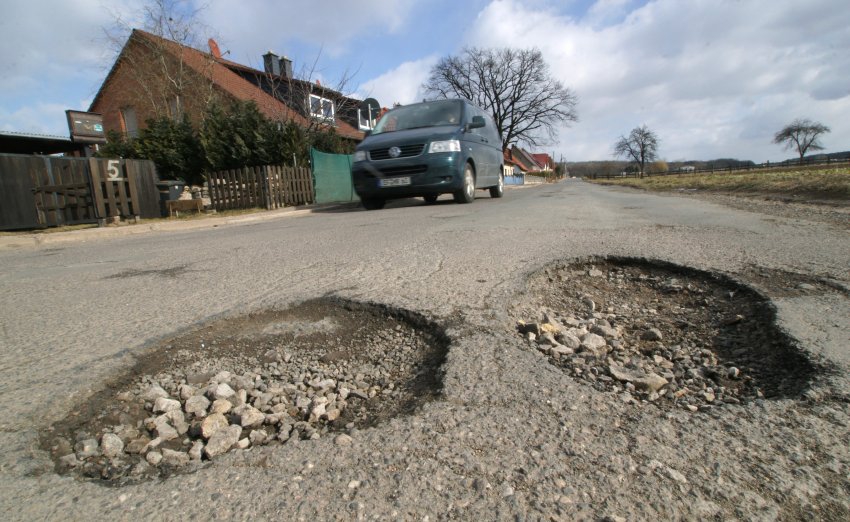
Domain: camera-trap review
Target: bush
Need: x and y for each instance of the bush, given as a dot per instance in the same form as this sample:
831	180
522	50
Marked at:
117	146
230	138
239	137
174	148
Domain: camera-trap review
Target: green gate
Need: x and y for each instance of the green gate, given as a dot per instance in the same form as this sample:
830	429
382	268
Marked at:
332	177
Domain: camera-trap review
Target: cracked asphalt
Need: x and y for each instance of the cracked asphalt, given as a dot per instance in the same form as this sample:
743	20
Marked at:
512	436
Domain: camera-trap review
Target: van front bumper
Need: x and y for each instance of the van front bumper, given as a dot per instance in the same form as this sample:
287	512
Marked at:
429	174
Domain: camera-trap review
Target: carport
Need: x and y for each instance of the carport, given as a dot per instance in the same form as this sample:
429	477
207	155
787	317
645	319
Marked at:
44	144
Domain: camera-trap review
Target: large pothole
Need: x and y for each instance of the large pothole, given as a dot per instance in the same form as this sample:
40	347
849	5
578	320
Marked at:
325	367
661	333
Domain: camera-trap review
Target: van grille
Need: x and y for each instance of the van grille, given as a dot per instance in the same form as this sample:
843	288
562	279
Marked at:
407	151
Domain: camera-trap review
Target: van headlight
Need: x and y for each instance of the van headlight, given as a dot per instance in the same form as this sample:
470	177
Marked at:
360	155
444	146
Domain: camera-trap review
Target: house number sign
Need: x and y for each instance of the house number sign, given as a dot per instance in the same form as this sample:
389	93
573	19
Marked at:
113	170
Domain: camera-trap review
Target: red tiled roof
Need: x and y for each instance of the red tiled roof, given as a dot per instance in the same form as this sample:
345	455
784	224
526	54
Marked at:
218	71
543	160
523	159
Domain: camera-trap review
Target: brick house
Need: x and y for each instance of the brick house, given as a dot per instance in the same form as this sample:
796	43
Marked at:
153	76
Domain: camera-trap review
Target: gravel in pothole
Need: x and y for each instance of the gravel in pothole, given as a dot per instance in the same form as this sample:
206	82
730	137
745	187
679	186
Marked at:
323	368
664	334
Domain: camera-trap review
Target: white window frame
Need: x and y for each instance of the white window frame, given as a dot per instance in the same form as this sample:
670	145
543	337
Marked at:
322	101
369	122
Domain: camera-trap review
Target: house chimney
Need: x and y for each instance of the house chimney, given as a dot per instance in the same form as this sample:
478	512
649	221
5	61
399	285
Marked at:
286	68
271	63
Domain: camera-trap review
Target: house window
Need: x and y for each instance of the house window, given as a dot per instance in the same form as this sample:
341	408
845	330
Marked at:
131	126
321	108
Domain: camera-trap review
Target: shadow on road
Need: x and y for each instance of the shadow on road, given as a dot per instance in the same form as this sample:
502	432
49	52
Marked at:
341	208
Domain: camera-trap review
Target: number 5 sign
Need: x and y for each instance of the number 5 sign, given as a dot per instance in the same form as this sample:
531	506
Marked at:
113	170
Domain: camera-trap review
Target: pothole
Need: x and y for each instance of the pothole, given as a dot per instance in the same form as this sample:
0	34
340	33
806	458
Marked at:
323	368
659	333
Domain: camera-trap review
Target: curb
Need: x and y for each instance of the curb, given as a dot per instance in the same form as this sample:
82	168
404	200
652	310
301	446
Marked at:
93	234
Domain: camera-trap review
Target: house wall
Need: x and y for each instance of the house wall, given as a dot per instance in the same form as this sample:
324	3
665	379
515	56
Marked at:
140	81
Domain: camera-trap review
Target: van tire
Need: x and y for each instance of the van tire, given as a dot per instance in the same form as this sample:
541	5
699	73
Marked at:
467	193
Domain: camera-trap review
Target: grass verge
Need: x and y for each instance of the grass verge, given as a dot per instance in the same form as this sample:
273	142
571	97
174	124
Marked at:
828	184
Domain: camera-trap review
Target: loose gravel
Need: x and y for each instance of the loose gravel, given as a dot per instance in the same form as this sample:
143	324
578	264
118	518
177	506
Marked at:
323	368
658	333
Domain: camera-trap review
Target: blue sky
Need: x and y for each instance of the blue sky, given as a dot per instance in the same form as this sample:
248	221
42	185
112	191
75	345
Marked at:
713	78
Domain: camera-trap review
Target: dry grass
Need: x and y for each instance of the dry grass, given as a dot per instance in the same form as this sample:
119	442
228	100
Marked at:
831	184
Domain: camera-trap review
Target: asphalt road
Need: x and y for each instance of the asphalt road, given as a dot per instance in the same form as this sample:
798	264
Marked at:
75	314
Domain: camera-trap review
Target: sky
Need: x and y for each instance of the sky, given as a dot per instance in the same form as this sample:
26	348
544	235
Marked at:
712	78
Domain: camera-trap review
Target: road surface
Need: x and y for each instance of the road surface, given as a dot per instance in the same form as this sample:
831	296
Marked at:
76	314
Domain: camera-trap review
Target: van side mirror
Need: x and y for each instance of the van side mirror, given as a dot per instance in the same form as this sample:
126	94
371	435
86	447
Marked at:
476	123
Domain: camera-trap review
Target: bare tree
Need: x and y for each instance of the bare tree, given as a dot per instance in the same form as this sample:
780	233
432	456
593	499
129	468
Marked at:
514	85
158	64
802	135
641	146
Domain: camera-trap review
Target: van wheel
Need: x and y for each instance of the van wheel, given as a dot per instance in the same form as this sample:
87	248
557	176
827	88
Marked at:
373	204
467	193
430	198
499	190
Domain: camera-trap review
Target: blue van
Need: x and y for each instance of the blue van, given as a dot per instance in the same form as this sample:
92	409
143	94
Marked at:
427	149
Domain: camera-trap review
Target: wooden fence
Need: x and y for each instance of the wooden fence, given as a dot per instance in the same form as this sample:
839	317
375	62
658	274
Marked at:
45	191
268	187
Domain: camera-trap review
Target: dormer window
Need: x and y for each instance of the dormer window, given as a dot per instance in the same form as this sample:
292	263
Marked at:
321	108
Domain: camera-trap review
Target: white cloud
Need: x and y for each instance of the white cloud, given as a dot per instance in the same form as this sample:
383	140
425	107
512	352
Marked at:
711	78
54	52
38	118
51	39
247	27
605	12
401	84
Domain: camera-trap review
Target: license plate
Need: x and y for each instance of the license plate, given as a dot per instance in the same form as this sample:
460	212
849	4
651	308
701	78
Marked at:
394	182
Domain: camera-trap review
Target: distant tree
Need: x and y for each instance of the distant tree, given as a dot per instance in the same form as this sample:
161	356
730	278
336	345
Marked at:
660	166
513	85
641	146
802	135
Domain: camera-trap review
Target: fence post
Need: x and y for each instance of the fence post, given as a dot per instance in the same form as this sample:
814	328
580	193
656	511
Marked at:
266	186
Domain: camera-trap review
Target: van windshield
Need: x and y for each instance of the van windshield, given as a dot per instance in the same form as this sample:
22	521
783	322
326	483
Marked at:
429	114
